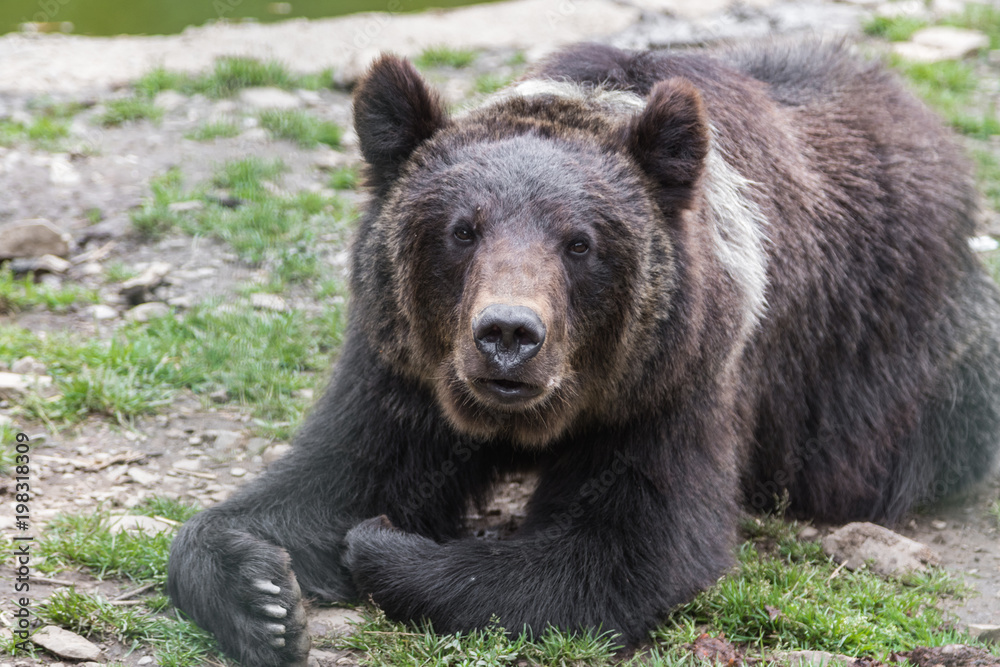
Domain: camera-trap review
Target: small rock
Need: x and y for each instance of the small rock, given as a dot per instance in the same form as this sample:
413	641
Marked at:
91	269
329	160
939	43
332	621
219	396
985	632
145	312
66	644
937	524
6	420
191	465
983	244
169	100
32	238
268	302
310	97
100	311
269	98
226	439
136	289
13	386
142	477
808	534
61	172
274	452
889	553
180	302
43	264
237	472
135	523
257	135
186	206
28	366
814	659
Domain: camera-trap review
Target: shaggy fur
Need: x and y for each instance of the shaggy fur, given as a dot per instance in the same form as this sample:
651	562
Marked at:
719	278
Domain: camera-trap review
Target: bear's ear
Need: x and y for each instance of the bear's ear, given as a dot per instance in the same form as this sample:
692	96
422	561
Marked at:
670	141
394	112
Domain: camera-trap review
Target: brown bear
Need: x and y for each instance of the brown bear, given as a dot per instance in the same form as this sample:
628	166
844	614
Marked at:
669	283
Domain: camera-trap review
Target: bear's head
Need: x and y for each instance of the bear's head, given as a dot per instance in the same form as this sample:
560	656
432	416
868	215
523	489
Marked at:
517	259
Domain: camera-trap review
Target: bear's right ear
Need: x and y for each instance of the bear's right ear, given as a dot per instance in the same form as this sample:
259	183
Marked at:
394	112
670	141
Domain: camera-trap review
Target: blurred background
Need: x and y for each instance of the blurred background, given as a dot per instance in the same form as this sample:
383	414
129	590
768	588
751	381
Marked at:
155	17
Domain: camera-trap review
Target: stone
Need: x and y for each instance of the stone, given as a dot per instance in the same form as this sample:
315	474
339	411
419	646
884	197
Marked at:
91	269
28	366
238	472
808	533
43	264
983	244
32	238
142	477
135	289
268	302
145	312
985	632
101	312
186	206
135	523
269	98
13	385
939	43
274	452
66	644
226	440
332	621
170	100
61	172
937	524
888	553
814	659
190	465
329	160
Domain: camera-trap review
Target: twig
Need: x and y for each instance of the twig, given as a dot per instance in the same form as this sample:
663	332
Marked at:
55	582
192	473
131	594
837	571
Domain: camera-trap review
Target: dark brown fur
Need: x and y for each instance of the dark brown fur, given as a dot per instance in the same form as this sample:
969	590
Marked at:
747	275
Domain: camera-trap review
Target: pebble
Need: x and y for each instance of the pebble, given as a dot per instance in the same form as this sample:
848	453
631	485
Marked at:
191	465
269	98
32	238
937	524
268	302
28	366
101	312
66	644
135	523
142	477
145	312
939	43
237	472
889	554
61	172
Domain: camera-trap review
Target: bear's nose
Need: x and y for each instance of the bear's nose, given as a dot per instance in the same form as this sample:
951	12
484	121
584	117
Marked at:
508	335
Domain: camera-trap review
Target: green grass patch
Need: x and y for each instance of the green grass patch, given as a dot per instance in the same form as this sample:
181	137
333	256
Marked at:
230	75
490	83
119	272
345	178
128	110
951	88
982	17
154	218
18	294
994	511
301	127
444	56
8	439
261	359
176	641
788	595
43	132
895	28
220	129
388	644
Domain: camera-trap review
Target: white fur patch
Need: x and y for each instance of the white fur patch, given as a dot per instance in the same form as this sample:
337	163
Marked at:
611	101
738	231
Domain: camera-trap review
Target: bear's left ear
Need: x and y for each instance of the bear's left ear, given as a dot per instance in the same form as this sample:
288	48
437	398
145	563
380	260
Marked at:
670	141
394	112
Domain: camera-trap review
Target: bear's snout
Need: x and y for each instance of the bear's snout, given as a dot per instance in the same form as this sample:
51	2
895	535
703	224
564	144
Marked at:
508	335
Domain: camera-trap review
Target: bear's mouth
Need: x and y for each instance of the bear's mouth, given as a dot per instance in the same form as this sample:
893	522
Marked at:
508	392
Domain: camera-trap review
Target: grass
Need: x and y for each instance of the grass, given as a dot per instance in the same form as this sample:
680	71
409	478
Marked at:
128	110
48	127
994	511
220	129
345	178
283	232
8	435
303	128
444	56
490	83
788	595
228	76
895	28
18	294
261	359
951	88
982	17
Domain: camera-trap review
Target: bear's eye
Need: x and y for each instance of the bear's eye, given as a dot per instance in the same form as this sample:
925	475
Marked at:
464	234
579	247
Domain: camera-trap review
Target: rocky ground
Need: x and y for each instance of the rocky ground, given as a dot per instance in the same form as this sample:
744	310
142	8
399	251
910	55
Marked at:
88	186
